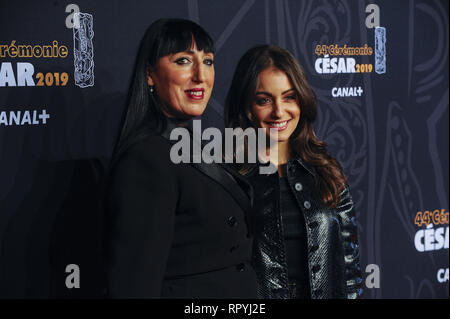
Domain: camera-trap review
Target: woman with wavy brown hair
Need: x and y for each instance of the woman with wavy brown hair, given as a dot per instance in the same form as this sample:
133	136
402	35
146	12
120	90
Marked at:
305	235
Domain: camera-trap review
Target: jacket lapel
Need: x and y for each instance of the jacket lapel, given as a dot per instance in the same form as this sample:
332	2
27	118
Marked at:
308	167
226	176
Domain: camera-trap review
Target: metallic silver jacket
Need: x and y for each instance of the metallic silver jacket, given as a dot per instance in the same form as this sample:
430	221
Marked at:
333	250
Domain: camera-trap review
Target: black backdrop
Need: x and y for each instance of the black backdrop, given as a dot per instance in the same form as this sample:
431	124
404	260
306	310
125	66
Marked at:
391	137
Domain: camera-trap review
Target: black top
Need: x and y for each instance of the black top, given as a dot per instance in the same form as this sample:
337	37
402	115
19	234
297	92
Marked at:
295	238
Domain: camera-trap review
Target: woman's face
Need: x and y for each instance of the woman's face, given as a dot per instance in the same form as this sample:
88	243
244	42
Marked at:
276	104
184	82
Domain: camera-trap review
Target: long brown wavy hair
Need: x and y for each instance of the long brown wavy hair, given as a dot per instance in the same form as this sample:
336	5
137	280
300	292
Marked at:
330	180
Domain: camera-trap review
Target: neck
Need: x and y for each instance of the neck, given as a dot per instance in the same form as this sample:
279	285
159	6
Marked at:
278	155
284	152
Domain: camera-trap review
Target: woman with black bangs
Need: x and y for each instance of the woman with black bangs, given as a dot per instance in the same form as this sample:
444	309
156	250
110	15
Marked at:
303	221
175	230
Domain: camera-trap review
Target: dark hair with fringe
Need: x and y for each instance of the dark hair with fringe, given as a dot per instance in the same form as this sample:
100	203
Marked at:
143	114
330	180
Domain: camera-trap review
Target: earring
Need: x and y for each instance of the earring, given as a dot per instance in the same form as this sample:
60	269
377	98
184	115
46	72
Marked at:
151	89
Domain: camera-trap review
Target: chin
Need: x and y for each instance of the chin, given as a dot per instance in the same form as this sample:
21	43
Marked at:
282	140
281	137
196	110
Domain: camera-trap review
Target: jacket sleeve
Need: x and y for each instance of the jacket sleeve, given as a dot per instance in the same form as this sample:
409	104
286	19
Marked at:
141	205
349	235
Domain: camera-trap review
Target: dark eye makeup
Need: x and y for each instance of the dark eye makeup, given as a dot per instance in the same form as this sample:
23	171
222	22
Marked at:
182	60
208	61
186	60
291	97
262	100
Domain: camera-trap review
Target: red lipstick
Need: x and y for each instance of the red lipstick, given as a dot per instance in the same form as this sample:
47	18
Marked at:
195	94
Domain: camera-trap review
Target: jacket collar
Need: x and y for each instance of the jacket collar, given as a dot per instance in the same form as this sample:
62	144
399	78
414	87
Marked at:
307	166
171	124
221	173
296	160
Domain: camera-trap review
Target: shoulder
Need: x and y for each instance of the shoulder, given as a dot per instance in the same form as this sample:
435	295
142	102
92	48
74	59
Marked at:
151	143
346	201
152	151
345	193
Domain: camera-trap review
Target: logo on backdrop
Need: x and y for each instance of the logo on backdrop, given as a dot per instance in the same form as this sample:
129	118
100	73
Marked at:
345	58
22	74
83	50
434	235
339	59
15	72
442	275
82	25
346	91
373	21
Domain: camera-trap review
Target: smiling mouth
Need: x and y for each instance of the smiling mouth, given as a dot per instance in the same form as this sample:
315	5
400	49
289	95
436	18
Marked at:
195	94
279	125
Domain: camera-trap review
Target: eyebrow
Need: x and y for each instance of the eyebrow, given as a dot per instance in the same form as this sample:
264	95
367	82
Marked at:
269	94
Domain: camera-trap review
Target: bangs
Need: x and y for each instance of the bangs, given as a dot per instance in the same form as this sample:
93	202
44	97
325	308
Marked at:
178	35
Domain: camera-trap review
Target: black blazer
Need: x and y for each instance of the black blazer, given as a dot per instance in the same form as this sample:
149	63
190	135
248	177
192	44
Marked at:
176	230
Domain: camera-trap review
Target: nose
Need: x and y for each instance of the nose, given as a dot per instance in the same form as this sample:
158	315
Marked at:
277	109
198	74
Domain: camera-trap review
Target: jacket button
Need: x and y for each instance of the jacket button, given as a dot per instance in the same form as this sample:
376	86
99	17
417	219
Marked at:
298	187
307	204
313	225
234	248
315	268
314	248
232	221
240	267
